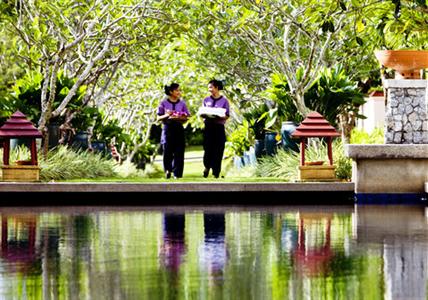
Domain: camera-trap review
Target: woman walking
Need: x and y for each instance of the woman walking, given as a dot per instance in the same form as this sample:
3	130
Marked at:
214	131
173	112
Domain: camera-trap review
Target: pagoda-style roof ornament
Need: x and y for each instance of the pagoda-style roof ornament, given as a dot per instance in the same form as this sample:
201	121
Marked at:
19	126
315	126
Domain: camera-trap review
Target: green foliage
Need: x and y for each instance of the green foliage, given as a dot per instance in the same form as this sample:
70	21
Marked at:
334	94
282	165
193	136
25	96
362	137
21	152
285	163
400	24
143	155
342	162
257	121
63	163
238	141
129	170
108	130
283	108
239	40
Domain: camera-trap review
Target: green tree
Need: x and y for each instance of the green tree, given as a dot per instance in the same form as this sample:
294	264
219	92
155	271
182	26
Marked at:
337	98
89	41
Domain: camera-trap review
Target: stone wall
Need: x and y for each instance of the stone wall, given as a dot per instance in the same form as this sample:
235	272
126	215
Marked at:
388	168
406	119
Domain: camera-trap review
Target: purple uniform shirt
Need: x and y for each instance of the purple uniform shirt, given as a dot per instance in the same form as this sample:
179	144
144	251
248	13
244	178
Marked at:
222	102
164	106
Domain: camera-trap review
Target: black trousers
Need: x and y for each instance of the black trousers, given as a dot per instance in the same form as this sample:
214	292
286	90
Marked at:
173	149
214	140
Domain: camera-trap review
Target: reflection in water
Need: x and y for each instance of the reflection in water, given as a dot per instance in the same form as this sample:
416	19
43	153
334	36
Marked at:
173	250
18	243
173	245
314	250
404	233
214	251
367	252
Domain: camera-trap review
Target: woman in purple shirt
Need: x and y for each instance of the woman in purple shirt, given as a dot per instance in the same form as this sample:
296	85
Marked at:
173	112
214	132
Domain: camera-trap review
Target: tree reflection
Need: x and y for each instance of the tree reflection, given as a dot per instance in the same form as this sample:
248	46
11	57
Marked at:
289	254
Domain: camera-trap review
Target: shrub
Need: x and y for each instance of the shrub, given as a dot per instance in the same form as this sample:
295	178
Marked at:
238	141
362	137
285	163
63	163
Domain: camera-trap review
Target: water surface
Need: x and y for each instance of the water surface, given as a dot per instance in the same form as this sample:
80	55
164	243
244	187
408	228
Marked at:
343	252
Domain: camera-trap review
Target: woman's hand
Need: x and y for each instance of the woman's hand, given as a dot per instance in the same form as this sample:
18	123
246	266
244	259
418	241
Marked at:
164	116
179	116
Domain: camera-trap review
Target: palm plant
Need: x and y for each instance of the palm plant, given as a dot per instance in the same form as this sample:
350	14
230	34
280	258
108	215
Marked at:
337	98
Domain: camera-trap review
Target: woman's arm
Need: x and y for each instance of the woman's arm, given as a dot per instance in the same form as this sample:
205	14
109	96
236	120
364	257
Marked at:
164	116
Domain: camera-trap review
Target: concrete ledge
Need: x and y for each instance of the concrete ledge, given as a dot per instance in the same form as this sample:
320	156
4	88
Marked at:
389	168
170	187
383	151
405	83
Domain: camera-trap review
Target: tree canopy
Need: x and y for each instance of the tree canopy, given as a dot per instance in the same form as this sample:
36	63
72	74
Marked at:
119	53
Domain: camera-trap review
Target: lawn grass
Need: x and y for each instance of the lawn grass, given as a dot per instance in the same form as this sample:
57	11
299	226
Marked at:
194	152
185	179
193	168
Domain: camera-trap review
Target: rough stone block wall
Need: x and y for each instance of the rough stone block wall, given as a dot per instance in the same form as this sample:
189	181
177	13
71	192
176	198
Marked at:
406	115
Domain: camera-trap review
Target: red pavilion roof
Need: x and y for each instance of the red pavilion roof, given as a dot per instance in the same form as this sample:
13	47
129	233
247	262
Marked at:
315	126
19	126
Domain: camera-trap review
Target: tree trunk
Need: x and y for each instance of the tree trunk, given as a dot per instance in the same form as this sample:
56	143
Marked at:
347	123
45	141
300	103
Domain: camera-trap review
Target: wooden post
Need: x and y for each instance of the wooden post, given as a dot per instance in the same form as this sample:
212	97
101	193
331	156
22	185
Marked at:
330	151
6	147
33	152
302	151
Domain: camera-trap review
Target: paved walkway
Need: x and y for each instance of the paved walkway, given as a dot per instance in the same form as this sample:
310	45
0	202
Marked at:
166	187
216	194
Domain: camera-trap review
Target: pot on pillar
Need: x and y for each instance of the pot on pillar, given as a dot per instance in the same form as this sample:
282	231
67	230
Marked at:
19	127
315	126
406	63
406	110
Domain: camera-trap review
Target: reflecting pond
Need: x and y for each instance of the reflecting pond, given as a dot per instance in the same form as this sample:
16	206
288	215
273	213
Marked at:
343	252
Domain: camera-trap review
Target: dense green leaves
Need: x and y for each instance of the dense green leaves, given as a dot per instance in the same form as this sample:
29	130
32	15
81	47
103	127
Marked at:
119	53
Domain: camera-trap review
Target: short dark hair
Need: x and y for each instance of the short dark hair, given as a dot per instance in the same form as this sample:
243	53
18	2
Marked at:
169	88
217	83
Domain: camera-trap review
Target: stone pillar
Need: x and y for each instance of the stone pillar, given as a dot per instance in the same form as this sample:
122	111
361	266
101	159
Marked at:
406	118
389	169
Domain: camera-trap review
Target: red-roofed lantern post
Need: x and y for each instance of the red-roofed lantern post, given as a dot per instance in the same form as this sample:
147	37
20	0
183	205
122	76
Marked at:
19	127
315	126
